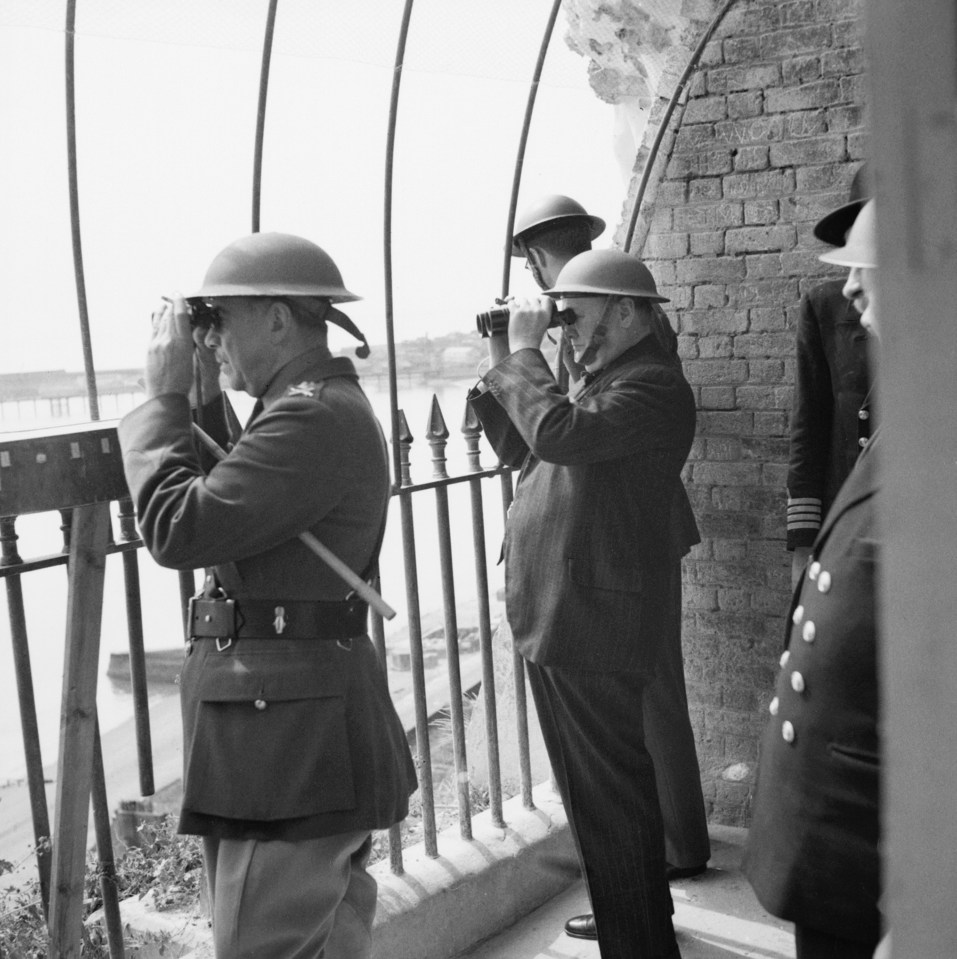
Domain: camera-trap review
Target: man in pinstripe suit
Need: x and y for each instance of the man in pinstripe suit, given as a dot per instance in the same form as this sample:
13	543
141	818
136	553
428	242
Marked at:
590	553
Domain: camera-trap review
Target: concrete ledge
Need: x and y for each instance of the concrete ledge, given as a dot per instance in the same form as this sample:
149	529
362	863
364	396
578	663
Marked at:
440	907
437	908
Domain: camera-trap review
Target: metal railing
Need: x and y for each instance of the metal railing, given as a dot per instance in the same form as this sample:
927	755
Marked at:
80	509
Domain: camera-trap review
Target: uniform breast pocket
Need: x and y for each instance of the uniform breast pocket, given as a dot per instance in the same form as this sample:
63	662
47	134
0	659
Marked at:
268	741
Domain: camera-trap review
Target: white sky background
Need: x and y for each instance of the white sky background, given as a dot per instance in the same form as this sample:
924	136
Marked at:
166	99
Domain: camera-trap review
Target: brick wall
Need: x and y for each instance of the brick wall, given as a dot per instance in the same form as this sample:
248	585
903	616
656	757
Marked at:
767	142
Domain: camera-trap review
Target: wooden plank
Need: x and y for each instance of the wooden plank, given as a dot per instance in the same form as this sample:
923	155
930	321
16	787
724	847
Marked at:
90	534
912	55
59	467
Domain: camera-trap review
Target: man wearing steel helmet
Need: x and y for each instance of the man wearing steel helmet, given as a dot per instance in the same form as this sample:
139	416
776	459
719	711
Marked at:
813	847
549	232
590	552
293	751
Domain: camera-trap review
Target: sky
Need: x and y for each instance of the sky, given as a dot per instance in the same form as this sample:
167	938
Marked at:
166	99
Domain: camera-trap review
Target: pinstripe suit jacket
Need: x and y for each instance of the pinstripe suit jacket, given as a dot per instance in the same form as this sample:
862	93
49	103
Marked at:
591	533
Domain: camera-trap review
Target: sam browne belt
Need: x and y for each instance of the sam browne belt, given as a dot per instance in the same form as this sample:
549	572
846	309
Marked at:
226	619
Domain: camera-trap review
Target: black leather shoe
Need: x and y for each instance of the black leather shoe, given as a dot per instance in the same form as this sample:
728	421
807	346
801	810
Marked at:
582	927
683	872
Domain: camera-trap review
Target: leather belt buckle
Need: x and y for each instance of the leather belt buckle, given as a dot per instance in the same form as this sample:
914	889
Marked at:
213	619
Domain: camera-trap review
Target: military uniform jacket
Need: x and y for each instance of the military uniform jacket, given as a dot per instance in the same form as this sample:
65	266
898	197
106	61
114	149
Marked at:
283	738
590	538
813	844
831	387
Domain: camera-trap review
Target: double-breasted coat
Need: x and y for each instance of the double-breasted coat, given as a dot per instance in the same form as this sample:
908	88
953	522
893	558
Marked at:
812	852
831	414
289	738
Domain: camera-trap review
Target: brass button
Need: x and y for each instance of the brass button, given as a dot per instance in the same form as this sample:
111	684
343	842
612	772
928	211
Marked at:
862	442
824	581
863	415
774	706
813	570
797	682
809	631
797	616
787	731
785	656
260	704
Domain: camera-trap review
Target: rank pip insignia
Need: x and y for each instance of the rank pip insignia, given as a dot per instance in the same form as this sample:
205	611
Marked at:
303	389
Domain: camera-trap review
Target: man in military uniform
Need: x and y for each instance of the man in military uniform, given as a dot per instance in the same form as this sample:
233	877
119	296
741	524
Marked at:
293	751
548	233
813	847
590	551
832	414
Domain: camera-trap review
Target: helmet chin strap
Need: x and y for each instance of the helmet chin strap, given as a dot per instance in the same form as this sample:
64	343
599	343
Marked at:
598	334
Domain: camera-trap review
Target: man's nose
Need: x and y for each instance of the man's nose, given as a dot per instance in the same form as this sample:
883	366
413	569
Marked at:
852	286
211	339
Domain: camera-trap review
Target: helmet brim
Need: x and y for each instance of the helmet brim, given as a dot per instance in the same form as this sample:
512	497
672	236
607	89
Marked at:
595	224
283	289
583	290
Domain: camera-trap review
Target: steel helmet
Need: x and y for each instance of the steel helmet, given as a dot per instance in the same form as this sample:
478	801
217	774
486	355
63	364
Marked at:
552	209
606	271
274	264
861	246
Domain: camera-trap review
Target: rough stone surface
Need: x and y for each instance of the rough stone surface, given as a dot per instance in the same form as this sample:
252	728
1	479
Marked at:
767	141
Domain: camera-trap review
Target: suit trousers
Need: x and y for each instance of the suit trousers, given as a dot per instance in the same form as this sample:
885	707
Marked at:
309	899
594	734
670	740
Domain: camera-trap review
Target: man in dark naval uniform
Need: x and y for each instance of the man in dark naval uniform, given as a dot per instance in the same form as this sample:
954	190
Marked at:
590	556
813	847
832	415
293	751
548	233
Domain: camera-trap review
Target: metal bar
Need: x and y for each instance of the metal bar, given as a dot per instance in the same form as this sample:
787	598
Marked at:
423	751
378	640
59	559
28	710
387	235
104	851
456	710
91	525
70	40
138	680
488	661
522	142
261	112
472	430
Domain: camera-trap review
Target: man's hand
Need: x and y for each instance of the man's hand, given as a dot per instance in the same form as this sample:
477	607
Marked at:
169	359
528	321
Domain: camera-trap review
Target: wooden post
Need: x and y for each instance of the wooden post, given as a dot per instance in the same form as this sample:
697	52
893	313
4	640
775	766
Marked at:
912	51
88	542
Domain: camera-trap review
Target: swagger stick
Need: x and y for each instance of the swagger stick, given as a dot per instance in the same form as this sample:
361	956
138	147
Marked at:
323	552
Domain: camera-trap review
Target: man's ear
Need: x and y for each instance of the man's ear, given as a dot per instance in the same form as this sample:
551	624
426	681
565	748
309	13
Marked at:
280	319
627	313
